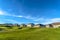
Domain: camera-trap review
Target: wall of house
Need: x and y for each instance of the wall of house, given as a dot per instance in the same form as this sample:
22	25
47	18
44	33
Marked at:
36	26
56	26
47	26
29	25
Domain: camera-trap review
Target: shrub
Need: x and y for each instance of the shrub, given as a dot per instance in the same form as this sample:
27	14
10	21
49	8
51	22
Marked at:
10	27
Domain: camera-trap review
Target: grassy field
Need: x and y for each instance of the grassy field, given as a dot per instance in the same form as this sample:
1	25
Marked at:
31	34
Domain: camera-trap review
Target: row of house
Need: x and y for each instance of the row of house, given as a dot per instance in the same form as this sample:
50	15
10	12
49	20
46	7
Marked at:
32	25
52	25
22	25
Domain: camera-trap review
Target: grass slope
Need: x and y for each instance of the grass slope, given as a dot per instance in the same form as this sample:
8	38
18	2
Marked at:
32	34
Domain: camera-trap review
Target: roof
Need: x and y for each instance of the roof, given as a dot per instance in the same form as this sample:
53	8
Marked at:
37	24
56	23
40	24
22	24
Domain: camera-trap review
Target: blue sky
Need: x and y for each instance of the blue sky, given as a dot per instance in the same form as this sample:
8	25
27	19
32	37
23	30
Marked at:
29	11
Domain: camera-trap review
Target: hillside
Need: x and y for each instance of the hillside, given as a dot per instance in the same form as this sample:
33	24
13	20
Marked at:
32	34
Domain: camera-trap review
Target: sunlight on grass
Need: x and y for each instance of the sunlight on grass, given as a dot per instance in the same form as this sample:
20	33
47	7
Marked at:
32	34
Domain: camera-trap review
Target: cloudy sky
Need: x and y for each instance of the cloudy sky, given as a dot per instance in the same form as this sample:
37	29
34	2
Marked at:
29	11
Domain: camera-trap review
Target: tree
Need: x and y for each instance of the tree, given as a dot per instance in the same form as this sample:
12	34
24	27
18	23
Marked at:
8	25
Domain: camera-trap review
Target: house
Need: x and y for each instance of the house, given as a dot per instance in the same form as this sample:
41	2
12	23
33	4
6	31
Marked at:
49	26
53	25
56	25
39	25
30	25
23	25
16	25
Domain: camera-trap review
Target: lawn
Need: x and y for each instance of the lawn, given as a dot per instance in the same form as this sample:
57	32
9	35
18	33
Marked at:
32	34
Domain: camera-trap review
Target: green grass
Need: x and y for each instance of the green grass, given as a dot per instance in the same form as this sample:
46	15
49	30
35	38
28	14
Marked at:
32	34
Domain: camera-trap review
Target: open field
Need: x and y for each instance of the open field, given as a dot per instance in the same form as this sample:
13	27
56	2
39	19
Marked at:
32	34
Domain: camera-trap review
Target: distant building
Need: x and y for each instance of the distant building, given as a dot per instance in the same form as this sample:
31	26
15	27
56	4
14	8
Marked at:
49	26
39	25
42	26
56	25
23	25
16	25
53	25
30	25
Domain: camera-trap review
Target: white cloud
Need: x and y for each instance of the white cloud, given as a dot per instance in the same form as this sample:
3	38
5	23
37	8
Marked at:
36	19
30	17
26	17
19	16
52	20
2	13
11	20
39	19
44	20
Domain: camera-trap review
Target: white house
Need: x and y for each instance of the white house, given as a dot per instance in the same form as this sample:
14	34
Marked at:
23	25
30	25
56	25
49	26
39	25
53	25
